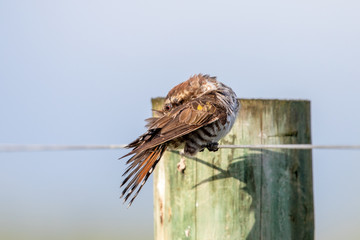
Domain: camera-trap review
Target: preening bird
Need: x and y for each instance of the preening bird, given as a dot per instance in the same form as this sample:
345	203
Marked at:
196	115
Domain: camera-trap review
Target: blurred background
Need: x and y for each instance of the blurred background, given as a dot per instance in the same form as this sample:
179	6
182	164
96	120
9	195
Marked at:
83	72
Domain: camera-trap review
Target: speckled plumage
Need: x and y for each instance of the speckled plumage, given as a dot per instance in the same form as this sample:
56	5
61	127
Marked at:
196	114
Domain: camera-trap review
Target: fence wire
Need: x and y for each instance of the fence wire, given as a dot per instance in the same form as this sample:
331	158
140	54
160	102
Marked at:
41	147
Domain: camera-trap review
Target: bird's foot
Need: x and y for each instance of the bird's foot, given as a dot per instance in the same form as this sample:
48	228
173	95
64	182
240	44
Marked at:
212	147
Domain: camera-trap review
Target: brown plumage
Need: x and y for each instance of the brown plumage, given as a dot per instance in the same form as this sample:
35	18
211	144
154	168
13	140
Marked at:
197	114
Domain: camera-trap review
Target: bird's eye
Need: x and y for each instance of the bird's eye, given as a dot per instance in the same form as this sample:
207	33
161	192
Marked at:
168	107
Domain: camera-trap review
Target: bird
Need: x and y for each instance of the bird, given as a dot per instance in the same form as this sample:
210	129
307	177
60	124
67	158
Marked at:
196	114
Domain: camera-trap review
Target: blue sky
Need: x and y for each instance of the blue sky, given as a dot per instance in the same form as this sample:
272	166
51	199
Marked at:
83	72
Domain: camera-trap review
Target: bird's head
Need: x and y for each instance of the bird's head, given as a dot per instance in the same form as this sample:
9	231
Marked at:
194	87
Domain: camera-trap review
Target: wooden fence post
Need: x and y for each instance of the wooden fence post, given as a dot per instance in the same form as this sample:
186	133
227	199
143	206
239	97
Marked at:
242	193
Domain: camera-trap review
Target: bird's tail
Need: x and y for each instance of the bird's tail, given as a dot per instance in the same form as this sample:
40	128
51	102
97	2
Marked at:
140	167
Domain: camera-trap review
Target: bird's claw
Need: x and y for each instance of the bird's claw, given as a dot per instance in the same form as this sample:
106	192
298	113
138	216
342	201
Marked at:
212	147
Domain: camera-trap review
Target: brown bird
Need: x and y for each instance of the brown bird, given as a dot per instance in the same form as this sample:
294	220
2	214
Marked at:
196	115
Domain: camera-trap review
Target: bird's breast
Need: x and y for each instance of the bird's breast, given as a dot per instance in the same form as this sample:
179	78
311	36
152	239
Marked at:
210	133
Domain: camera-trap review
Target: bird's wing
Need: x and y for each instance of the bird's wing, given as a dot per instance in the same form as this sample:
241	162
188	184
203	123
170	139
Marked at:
179	122
149	147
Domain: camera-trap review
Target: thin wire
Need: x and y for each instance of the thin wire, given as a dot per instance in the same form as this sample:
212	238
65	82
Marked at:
39	147
292	146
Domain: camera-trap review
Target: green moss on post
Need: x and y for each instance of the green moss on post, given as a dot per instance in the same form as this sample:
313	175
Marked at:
241	193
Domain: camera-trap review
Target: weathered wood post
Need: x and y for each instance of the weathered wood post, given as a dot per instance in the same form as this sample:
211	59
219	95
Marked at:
242	193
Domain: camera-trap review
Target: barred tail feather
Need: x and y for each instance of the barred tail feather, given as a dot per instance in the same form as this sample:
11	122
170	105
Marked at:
141	165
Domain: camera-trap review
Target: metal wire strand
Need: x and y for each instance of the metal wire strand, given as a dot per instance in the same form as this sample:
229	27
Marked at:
40	147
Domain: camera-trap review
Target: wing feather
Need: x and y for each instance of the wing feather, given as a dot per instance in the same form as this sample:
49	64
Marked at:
149	147
181	121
